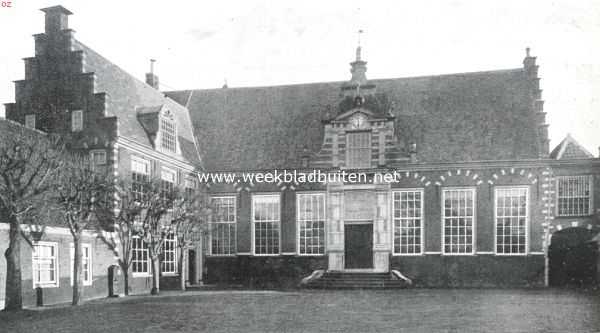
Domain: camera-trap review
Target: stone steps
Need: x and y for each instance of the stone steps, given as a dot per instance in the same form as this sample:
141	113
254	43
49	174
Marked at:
351	280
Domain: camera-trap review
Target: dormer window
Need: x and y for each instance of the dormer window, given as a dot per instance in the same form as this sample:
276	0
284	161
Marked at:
358	149
30	120
76	120
168	133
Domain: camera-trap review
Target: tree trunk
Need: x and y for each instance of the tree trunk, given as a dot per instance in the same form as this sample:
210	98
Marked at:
77	269
155	276
14	297
182	269
125	279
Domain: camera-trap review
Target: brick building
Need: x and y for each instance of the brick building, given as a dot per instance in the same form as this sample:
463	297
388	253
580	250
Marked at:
475	199
130	130
478	189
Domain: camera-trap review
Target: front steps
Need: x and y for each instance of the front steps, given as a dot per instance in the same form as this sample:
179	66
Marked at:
354	280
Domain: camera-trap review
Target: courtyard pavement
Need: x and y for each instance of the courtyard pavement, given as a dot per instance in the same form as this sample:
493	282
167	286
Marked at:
408	310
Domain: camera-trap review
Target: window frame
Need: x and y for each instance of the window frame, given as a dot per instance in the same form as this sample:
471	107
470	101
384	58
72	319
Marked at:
30	120
422	222
473	226
171	239
234	223
144	175
369	148
298	222
266	194
527	218
590	180
93	153
89	281
55	258
168	138
143	250
76	120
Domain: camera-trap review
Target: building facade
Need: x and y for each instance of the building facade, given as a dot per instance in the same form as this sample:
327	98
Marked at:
129	129
455	182
472	194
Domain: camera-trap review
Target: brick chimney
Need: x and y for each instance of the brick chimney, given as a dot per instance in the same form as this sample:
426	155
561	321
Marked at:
151	79
57	19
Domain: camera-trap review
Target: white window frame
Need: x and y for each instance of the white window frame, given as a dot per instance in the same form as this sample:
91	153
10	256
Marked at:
299	222
30	120
473	226
527	203
231	224
167	120
369	148
139	166
275	221
76	120
421	218
143	250
590	181
34	270
169	246
89	280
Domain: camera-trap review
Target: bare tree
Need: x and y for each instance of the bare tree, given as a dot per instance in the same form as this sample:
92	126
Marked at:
80	194
118	227
157	204
29	160
189	222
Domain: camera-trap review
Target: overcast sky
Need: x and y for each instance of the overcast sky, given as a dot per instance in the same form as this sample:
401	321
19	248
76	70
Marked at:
199	44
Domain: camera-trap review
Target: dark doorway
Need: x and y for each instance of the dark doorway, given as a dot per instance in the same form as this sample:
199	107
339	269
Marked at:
358	245
191	278
573	258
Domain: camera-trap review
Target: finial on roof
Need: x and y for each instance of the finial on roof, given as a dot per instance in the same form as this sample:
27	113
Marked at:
527	51
225	84
358	48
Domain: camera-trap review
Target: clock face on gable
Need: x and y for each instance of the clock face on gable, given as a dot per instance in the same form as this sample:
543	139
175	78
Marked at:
358	121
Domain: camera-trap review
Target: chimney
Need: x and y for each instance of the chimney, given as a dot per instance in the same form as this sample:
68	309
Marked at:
529	63
57	19
151	79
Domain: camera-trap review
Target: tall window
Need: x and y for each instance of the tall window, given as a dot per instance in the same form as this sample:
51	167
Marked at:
169	259
30	120
76	120
574	195
45	269
190	187
139	256
358	149
408	223
167	180
86	263
511	220
311	223
458	214
223	226
168	134
140	175
266	220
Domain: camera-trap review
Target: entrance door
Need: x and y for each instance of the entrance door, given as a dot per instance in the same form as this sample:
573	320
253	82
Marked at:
358	245
191	278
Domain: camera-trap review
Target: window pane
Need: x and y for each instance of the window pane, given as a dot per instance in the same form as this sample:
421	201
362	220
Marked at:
458	219
407	222
311	223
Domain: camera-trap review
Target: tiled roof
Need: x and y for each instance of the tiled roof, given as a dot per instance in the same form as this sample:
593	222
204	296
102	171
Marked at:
458	117
127	97
568	148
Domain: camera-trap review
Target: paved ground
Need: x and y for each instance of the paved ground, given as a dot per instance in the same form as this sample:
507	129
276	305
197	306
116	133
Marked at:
416	310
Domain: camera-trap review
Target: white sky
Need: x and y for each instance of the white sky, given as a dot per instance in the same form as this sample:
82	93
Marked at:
200	43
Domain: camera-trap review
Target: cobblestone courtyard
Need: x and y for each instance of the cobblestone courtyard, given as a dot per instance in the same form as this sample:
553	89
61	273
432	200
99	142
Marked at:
415	310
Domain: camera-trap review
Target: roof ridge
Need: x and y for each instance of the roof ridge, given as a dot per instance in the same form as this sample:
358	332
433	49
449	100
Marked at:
291	85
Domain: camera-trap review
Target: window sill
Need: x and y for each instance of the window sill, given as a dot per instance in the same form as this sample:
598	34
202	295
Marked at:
140	275
46	285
